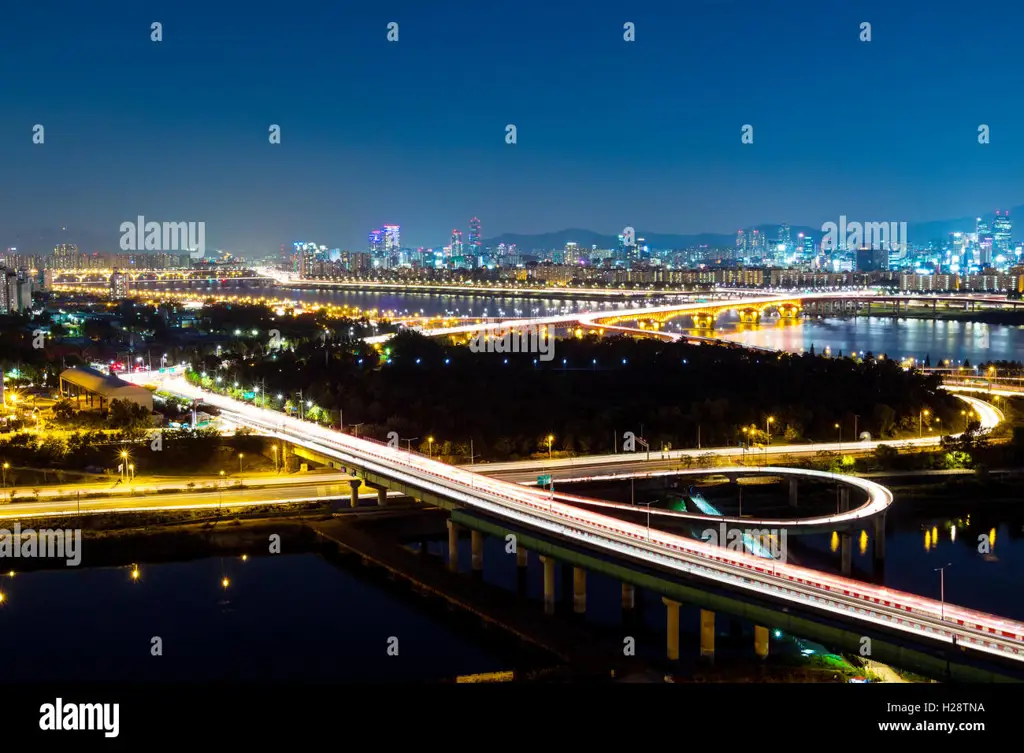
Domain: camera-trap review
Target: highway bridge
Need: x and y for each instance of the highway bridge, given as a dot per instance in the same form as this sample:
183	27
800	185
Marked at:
904	616
750	308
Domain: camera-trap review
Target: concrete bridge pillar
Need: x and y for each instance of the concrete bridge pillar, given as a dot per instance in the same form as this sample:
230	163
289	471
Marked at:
382	497
793	486
878	545
453	546
579	590
707	634
354	484
672	611
628	597
844	499
761	641
522	557
846	553
549	584
477	541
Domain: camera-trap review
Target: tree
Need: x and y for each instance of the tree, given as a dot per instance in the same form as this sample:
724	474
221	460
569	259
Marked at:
127	415
63	410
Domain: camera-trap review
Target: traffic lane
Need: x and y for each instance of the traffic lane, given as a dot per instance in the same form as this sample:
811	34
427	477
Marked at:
185	500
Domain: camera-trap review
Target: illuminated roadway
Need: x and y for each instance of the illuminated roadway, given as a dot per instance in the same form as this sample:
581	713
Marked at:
593	319
859	602
230	497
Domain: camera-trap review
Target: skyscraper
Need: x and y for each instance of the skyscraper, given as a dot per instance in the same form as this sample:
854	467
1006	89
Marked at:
376	243
392	239
474	237
456	242
1002	230
65	256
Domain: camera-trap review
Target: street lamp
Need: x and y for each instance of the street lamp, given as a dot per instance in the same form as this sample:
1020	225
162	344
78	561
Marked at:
131	470
768	427
221	501
409	443
430	448
5	467
648	505
273	448
942	590
124	465
920	422
551	438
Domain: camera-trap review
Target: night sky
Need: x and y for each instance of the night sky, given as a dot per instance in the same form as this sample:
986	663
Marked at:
610	133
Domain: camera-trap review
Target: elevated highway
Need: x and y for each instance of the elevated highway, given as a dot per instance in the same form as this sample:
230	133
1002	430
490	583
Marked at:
897	613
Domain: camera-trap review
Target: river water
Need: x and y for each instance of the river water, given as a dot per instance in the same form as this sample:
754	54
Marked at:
938	340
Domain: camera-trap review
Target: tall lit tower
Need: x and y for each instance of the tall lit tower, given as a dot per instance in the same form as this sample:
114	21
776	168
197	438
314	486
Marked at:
456	242
474	237
1002	229
392	239
376	243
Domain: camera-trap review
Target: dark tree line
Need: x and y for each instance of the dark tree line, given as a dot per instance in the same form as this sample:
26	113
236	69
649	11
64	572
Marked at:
596	389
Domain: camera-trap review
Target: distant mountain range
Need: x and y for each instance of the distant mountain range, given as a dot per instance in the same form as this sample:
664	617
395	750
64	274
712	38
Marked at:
43	240
918	233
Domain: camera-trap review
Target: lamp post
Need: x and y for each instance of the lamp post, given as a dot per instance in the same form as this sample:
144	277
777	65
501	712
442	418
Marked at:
920	422
430	448
942	590
355	430
648	505
240	456
124	465
221	485
551	438
839	433
409	443
5	467
768	427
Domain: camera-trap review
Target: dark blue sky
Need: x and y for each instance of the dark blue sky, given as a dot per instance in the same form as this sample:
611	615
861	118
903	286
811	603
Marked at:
610	133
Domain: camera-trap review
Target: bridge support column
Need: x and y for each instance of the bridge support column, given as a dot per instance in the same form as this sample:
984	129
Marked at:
522	557
579	590
672	625
761	641
628	597
844	499
846	553
707	634
878	545
477	541
792	492
549	584
354	484
382	497
453	546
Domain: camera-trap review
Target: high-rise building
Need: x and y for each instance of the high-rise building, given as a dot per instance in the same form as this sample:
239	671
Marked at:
741	241
376	244
1002	230
456	242
118	285
65	256
306	254
392	239
474	237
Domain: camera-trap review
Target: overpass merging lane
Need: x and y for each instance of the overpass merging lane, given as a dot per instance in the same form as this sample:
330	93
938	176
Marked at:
859	602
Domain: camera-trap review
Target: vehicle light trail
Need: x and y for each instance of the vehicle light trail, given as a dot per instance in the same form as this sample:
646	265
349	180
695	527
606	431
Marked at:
900	611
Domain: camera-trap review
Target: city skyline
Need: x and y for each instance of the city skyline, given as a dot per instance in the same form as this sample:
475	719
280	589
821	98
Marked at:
444	155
